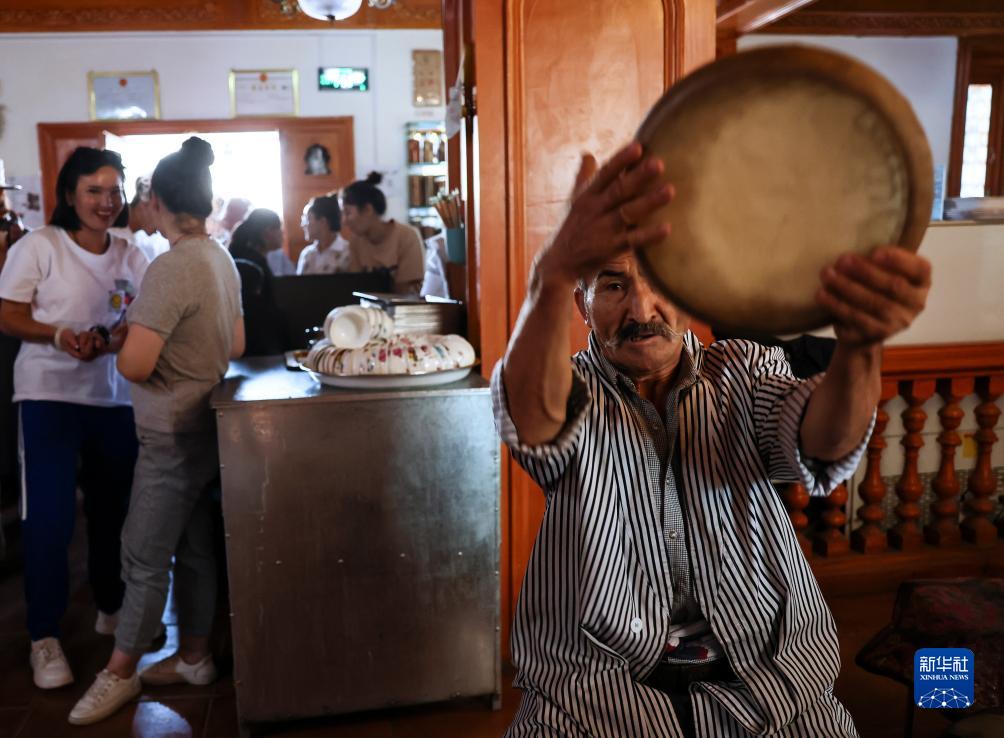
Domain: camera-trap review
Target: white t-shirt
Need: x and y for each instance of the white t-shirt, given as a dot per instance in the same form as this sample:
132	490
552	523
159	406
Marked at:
68	285
151	244
280	264
332	260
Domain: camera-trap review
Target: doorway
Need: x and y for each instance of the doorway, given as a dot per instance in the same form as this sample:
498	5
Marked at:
248	163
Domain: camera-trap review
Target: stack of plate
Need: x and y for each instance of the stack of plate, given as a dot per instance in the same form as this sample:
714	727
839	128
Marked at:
416	315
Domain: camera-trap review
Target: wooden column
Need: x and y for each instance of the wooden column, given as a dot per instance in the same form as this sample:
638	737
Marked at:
943	530
977	528
906	534
831	541
551	79
869	537
796	499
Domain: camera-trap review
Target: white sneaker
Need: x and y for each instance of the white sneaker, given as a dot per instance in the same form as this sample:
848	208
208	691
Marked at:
105	697
48	664
106	624
174	670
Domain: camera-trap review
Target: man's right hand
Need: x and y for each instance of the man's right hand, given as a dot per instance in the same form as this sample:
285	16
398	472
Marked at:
605	207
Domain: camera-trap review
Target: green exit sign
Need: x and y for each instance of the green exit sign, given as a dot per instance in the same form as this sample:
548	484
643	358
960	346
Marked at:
343	78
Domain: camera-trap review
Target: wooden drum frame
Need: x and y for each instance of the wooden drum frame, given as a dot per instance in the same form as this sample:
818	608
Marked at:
759	211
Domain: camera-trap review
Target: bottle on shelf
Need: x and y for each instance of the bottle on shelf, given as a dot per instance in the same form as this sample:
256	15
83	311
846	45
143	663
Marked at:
414	148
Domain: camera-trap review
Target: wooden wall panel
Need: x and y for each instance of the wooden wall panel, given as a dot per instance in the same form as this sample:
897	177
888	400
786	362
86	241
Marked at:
583	82
893	18
555	78
33	16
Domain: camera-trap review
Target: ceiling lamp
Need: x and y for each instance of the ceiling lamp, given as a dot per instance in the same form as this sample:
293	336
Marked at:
335	10
330	10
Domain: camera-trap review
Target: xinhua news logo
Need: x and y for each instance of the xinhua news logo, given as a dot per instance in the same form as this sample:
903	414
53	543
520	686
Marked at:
943	678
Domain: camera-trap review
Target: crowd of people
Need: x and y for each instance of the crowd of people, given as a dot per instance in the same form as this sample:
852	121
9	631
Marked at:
652	632
127	317
345	231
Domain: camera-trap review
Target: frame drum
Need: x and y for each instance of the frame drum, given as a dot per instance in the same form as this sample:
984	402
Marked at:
783	158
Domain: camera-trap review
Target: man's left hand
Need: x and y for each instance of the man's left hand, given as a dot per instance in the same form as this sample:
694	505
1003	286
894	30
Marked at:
874	297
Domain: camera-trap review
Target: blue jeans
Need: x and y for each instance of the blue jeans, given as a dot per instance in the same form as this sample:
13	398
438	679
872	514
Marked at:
63	446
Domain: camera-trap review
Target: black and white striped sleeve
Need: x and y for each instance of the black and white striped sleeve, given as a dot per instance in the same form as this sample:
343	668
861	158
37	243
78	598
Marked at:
779	405
546	462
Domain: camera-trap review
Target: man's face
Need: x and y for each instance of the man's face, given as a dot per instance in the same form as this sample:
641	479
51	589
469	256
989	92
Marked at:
634	323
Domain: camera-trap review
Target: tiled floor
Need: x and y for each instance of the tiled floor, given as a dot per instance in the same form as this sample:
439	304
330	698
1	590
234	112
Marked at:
210	712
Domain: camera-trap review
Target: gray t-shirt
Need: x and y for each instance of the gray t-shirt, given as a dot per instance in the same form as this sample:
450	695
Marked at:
190	297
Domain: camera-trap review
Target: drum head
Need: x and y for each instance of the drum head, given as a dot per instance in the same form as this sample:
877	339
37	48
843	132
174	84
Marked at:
782	158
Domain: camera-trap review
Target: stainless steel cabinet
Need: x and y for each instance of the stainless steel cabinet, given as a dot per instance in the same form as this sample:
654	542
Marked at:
362	542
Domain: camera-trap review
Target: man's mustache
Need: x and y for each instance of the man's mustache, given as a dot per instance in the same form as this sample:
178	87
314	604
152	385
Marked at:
633	330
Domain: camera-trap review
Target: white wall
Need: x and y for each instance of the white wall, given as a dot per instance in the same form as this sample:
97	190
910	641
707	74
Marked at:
43	78
923	69
966	302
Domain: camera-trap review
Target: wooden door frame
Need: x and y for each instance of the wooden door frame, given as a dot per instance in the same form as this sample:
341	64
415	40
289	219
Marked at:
970	70
492	171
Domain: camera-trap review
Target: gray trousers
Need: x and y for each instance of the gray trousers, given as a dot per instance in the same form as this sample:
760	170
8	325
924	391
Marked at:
170	515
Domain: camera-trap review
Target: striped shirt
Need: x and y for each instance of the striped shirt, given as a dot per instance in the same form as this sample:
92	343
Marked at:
596	606
690	640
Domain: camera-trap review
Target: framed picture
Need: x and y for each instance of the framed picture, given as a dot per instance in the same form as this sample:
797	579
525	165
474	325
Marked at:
264	92
427	78
123	95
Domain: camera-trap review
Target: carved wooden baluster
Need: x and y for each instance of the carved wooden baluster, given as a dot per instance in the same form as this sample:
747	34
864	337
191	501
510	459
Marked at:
796	499
869	537
905	534
831	541
977	528
943	530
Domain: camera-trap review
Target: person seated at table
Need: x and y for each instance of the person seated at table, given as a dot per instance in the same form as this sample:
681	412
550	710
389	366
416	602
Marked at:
381	244
328	252
260	234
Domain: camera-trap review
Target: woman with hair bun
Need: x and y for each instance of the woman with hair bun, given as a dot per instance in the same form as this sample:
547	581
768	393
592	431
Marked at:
184	328
381	244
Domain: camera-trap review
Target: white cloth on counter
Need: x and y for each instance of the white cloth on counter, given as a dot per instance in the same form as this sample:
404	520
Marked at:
151	244
435	282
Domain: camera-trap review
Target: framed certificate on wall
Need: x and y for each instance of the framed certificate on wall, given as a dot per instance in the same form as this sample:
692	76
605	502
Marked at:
123	95
264	92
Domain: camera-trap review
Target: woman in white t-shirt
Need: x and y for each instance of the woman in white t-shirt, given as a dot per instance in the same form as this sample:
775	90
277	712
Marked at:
328	252
64	292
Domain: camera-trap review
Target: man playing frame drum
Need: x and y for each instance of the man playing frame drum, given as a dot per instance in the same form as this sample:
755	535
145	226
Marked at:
666	594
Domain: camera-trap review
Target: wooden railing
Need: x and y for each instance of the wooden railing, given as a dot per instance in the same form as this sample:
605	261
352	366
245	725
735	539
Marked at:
916	374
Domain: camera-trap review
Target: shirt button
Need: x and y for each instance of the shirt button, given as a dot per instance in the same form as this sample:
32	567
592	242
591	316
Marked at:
673	534
637	626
